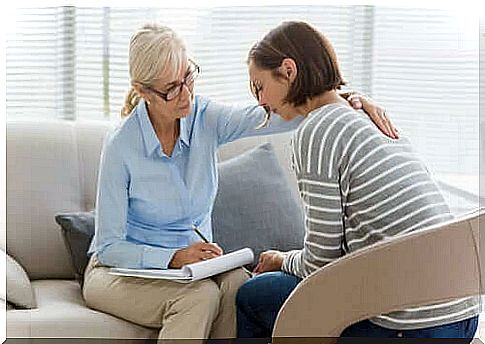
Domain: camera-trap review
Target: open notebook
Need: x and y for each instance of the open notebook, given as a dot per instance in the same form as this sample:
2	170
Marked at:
194	271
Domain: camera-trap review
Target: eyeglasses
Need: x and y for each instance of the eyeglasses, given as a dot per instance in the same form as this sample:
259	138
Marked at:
256	90
173	92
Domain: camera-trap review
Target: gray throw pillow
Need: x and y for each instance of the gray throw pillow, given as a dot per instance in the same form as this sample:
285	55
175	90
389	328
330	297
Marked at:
77	231
255	206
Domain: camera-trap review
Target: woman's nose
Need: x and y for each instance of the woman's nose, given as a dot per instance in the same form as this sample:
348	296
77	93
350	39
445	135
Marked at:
186	92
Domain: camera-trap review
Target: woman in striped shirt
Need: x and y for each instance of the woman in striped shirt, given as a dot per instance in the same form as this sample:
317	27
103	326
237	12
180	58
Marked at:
357	185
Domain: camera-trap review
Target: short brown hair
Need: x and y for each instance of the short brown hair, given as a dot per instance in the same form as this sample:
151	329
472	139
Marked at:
315	58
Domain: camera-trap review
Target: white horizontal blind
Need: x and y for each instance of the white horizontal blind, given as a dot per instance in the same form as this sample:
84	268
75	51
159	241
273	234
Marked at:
90	83
425	71
32	57
219	39
422	64
229	33
123	22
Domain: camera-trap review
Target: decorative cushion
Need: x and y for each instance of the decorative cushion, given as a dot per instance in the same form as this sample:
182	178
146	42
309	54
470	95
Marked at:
77	231
19	293
255	206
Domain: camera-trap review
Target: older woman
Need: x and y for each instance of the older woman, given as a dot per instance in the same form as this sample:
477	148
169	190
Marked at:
157	181
358	187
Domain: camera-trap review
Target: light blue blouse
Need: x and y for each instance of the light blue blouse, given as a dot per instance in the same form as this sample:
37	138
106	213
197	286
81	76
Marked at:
147	201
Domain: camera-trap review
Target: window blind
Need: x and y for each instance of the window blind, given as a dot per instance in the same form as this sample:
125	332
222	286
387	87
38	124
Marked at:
425	70
421	64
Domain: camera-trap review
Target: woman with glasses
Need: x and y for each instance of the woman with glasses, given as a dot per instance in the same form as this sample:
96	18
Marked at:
157	181
358	187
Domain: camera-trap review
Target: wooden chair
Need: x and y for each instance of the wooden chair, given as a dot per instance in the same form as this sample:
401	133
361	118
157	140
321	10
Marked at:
438	263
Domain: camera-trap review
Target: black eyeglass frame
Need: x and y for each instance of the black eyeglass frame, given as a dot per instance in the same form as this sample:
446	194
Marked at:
194	74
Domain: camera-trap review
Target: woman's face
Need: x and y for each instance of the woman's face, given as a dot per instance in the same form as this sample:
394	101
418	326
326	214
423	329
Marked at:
172	94
270	91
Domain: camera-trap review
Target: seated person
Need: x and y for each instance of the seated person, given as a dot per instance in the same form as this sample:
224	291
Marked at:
357	186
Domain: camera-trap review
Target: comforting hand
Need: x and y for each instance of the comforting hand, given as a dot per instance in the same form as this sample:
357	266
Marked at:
194	253
376	113
269	261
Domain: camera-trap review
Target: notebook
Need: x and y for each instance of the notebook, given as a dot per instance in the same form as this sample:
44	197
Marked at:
195	271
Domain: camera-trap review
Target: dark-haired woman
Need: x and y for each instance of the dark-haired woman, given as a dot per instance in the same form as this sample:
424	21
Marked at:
357	185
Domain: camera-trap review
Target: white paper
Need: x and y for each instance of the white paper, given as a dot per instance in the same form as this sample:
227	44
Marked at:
195	271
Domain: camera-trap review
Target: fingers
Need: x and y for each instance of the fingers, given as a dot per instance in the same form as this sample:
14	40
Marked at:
384	123
390	129
377	114
355	101
206	255
394	130
261	262
211	247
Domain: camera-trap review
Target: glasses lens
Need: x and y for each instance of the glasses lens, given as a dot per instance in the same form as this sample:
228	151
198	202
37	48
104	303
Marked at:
189	80
174	91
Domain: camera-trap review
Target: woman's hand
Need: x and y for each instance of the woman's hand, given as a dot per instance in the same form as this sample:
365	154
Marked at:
376	113
269	261
194	253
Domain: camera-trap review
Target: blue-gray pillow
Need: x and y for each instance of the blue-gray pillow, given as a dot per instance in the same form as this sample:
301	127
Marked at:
77	231
255	206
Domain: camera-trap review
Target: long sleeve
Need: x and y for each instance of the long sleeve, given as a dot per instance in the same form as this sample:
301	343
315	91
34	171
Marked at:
110	244
324	227
317	157
234	121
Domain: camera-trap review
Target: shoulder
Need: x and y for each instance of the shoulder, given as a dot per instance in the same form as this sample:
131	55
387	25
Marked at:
121	135
332	122
201	104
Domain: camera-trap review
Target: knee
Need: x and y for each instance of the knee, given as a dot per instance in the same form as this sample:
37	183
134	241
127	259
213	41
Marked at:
233	280
206	295
247	294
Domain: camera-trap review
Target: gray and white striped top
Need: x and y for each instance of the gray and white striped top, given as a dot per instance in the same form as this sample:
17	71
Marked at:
359	187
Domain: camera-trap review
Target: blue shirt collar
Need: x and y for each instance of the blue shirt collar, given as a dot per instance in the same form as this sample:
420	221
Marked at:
150	139
184	130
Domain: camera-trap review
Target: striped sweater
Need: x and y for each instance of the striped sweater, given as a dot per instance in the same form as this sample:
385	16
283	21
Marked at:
359	187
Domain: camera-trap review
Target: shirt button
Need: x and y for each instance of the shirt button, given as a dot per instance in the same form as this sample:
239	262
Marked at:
399	334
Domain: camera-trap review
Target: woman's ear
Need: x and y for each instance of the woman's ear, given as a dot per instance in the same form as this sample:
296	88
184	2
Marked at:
289	69
140	90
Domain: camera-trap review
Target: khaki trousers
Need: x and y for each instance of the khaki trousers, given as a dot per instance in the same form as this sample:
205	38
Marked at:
196	310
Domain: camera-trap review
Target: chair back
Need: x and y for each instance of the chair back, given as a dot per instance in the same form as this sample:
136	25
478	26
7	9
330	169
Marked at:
435	264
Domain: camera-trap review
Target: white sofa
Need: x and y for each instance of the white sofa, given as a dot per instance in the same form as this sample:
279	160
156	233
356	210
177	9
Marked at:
52	167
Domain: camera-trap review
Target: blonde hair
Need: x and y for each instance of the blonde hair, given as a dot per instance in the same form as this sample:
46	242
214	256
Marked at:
154	49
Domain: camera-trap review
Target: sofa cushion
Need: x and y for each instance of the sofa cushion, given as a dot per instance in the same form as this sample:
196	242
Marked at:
77	230
19	289
255	206
60	303
42	170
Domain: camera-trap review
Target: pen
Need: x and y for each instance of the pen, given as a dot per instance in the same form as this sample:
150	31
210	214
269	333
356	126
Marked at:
196	230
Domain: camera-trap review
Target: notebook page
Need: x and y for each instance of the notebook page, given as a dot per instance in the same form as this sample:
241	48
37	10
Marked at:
219	264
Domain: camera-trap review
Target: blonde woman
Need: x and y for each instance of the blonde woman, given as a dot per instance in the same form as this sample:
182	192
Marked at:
158	179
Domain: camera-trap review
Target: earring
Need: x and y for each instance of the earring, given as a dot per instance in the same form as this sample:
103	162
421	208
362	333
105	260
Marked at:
148	102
